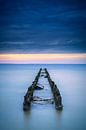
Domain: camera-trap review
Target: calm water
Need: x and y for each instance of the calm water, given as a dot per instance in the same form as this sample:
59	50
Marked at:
14	80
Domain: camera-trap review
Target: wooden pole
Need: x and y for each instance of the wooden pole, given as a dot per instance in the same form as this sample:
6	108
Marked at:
29	94
56	92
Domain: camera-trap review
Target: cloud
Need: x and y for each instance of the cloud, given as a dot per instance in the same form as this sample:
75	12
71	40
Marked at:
31	26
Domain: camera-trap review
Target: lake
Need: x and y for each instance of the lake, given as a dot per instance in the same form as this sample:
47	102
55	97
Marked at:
14	81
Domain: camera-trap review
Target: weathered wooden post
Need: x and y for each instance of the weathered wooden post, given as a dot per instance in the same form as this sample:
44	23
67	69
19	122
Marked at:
29	94
56	92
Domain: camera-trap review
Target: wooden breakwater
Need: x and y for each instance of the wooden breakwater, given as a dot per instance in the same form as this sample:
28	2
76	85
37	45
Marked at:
29	94
55	91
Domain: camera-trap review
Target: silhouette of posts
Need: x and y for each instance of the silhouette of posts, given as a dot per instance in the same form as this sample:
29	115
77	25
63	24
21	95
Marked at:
55	91
29	94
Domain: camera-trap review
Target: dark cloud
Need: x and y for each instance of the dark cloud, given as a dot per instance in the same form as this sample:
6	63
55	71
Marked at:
39	26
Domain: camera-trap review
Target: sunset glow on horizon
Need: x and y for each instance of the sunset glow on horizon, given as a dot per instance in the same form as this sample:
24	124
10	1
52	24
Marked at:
43	58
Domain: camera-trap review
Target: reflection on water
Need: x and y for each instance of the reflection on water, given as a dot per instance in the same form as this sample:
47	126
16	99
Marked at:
27	114
14	81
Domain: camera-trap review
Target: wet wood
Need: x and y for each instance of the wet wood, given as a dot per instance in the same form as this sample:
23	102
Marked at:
55	91
29	94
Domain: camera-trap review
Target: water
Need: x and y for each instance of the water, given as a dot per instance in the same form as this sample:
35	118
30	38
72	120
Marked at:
14	81
45	93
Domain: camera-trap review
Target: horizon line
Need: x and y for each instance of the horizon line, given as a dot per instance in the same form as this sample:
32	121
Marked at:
59	58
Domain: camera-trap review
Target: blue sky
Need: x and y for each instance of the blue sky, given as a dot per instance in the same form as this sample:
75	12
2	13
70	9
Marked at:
42	26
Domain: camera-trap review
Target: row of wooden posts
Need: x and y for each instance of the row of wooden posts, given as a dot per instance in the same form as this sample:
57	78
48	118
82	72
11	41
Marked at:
29	94
56	92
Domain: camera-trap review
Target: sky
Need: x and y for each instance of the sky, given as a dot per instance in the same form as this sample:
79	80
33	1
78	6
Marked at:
42	26
43	58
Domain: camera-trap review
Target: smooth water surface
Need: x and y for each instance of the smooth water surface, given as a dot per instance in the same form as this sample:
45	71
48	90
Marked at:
14	81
